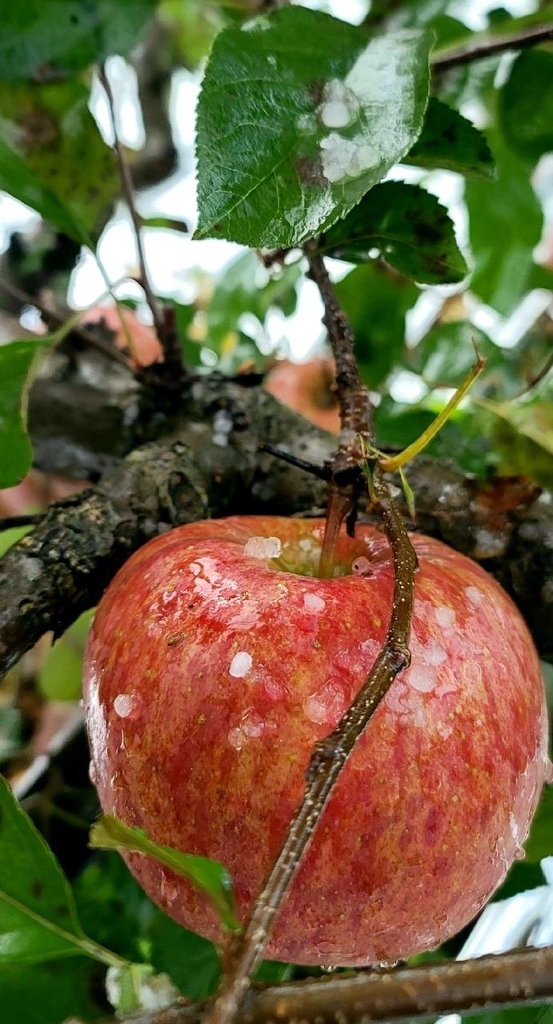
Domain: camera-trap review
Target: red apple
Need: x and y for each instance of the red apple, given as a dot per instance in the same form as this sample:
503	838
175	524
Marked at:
307	388
218	658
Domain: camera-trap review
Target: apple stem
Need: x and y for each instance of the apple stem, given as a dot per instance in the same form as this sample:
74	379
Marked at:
356	412
327	761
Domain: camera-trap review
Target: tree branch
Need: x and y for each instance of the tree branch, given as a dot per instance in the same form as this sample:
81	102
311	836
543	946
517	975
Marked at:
478	49
406	994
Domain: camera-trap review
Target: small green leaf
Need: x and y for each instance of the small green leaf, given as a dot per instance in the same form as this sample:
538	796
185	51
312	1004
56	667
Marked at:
207	875
192	962
526	104
531	414
46	36
245	286
407	226
294	123
58	139
16	363
540	841
450	141
38	920
503	254
60	676
19	181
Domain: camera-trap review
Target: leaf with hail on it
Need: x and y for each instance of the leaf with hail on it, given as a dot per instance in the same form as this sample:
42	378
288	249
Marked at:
109	833
294	123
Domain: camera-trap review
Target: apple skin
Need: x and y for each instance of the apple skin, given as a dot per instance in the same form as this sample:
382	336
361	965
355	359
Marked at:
207	749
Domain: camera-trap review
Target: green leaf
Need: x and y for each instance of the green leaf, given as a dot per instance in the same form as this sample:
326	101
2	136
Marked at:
376	301
446	354
505	226
116	912
49	993
10	537
19	181
246	287
11	731
42	37
540	841
60	676
38	920
16	363
450	141
526	104
294	123
531	414
522	1015
207	875
192	962
407	226
57	137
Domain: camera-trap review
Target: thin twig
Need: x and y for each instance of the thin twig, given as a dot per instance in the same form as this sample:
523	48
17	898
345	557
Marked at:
13	522
88	334
165	334
480	48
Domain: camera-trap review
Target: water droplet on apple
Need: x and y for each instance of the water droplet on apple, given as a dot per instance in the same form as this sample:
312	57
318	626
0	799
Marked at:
314	603
474	595
361	566
263	547
240	664
124	704
327	704
520	853
445	616
93	773
421	678
548	776
433	654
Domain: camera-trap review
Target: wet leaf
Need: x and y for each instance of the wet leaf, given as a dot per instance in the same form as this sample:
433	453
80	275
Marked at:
207	875
16	364
505	226
42	37
540	841
38	920
405	225
450	141
57	137
48	993
19	181
294	123
60	676
526	104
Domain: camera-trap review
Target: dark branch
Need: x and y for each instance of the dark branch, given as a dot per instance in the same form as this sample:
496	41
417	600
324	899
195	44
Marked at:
410	993
478	49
